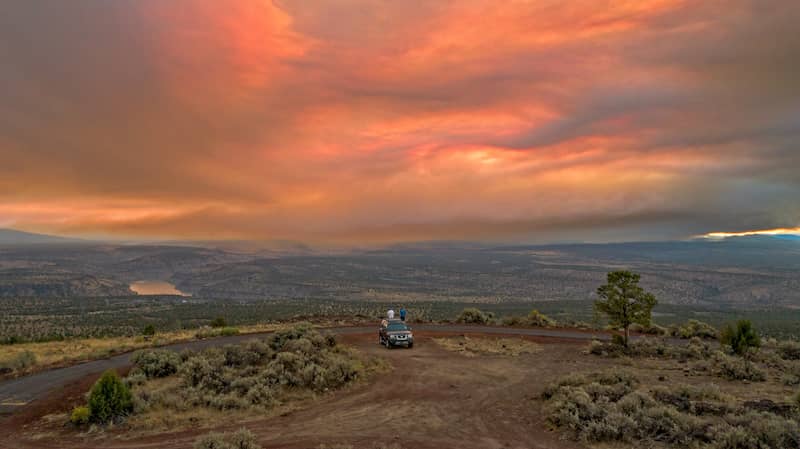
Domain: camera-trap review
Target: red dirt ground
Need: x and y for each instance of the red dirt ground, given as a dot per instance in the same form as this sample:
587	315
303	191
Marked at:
432	399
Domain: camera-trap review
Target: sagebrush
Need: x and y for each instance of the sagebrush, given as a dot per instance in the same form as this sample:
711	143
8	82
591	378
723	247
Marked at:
257	373
608	407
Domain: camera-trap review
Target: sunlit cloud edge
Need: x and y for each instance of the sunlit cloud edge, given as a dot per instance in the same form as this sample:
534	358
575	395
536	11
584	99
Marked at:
765	232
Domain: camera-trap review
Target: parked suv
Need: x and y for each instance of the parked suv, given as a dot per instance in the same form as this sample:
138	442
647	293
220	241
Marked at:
395	333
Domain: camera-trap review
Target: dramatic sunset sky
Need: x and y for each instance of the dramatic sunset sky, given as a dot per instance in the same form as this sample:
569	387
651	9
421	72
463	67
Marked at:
381	120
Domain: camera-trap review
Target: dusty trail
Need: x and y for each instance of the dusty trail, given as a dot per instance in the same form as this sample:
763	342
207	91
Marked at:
432	398
16	394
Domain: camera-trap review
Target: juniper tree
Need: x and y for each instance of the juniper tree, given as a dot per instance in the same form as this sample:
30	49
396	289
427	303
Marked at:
624	301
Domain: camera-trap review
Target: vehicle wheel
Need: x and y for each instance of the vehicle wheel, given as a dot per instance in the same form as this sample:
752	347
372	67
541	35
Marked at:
410	345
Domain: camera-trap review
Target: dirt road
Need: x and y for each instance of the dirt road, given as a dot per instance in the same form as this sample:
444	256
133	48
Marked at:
15	394
432	398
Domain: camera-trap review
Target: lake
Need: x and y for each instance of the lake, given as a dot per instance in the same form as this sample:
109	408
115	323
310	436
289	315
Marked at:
156	288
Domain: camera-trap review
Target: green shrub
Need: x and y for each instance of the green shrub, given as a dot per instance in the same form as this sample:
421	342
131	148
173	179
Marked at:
472	315
109	398
244	439
259	372
242	355
614	378
331	341
616	347
740	338
695	328
156	362
228	331
241	439
772	359
756	430
572	380
733	368
134	378
696	349
218	322
149	330
702	400
597	347
652	329
200	373
80	416
538	319
604	407
650	347
682	416
209	332
534	319
277	340
254	373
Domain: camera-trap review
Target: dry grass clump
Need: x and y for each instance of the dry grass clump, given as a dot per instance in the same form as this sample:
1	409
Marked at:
614	406
751	368
789	350
790	373
736	368
156	363
62	352
17	362
241	439
472	315
258	374
695	349
220	331
534	319
651	329
694	328
472	347
56	353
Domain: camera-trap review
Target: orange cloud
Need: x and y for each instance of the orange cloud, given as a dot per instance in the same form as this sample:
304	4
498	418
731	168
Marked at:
379	121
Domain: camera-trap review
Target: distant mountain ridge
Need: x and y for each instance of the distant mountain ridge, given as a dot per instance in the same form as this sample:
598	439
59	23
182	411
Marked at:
739	271
10	237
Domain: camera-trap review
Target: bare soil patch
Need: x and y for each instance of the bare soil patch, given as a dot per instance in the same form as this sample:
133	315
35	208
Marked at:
432	398
472	346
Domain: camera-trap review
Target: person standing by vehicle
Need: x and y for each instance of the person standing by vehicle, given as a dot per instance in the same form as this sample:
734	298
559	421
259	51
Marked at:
390	314
402	313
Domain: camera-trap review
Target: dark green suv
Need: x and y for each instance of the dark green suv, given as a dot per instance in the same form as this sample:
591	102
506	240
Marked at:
395	333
